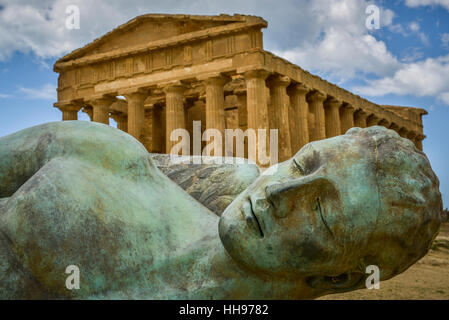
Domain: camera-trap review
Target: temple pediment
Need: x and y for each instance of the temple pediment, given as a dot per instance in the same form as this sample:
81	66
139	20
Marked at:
160	29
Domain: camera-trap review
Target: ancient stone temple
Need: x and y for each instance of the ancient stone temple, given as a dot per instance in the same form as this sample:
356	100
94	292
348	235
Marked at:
160	72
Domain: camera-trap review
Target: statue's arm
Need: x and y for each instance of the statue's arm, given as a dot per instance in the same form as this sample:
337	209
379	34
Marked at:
24	153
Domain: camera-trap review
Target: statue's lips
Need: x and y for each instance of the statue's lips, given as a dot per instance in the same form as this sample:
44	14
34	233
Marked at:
251	218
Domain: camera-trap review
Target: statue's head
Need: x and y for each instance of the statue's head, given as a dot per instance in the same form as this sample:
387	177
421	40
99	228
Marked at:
368	197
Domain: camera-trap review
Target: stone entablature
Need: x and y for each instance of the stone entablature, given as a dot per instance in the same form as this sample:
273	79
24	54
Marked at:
79	74
213	69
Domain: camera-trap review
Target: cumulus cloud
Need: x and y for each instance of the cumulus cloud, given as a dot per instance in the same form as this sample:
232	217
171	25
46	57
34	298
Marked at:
344	46
419	3
428	78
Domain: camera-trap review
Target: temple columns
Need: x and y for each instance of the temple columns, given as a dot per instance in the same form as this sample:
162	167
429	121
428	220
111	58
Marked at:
372	120
280	110
174	113
332	117
360	119
100	108
243	116
346	118
257	107
403	132
299	129
394	126
315	100
418	141
136	113
412	136
215	113
384	123
69	112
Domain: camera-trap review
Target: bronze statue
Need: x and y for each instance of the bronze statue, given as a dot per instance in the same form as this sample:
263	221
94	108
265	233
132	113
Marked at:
85	194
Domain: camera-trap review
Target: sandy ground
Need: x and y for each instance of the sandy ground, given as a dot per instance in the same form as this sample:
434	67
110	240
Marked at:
426	279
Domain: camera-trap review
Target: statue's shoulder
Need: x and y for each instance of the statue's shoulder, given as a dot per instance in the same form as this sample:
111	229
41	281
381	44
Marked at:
94	143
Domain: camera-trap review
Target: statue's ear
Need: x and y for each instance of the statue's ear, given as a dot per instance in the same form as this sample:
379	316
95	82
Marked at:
342	283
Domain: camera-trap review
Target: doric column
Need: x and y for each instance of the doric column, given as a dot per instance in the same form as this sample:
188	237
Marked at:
256	95
299	128
411	135
243	116
121	119
136	113
332	116
174	112
346	117
384	123
310	123
69	112
394	126
360	119
279	108
418	141
372	120
315	100
101	109
215	113
403	132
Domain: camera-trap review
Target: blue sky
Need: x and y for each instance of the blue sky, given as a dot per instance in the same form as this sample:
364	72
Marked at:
405	62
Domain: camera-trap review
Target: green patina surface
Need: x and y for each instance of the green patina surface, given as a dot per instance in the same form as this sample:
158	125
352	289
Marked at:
86	194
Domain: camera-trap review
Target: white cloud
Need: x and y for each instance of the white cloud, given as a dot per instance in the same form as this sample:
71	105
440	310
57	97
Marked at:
413	28
344	47
336	28
445	40
46	92
428	78
343	55
419	3
387	17
5	96
444	97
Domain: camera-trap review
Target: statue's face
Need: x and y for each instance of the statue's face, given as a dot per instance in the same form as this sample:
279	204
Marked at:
306	215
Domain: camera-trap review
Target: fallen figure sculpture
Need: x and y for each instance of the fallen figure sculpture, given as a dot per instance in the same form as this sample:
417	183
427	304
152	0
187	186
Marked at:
88	195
